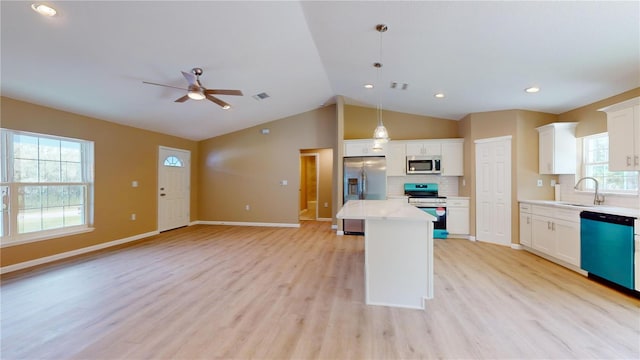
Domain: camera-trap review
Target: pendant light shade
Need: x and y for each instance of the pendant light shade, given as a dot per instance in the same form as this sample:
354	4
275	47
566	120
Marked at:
380	134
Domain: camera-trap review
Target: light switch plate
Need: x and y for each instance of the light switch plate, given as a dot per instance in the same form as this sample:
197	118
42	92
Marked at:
539	182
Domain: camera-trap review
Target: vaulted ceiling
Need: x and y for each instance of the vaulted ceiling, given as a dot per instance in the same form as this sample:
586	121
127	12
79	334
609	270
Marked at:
93	56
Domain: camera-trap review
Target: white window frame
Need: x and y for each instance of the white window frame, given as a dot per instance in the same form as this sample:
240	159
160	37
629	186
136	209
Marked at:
589	186
9	217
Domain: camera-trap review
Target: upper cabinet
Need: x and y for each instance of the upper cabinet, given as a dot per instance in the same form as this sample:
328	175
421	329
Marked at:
623	126
363	147
423	147
557	148
396	158
452	163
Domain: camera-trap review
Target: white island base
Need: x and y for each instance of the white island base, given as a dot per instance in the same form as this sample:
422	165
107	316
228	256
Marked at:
398	249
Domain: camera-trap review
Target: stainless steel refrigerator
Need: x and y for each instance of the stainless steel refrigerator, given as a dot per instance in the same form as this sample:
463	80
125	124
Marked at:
365	178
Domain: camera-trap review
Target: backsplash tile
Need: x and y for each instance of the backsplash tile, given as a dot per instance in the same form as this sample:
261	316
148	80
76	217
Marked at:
567	193
447	185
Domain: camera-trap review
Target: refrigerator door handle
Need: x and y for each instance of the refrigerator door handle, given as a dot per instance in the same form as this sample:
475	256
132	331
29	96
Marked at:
364	184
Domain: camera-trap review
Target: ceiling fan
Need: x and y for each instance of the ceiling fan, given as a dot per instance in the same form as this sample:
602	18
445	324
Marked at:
196	91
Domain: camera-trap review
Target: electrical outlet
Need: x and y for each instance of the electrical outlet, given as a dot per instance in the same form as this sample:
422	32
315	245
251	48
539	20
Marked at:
326	204
553	182
539	182
133	217
247	207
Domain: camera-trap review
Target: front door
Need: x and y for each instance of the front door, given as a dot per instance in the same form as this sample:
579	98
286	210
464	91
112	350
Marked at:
174	168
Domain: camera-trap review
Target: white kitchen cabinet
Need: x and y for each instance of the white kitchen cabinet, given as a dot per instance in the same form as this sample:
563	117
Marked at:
452	163
396	158
525	225
567	241
363	147
623	127
423	148
556	233
458	216
557	148
542	238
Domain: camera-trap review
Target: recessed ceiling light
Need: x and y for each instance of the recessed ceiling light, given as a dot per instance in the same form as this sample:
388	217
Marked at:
439	95
533	89
43	9
368	86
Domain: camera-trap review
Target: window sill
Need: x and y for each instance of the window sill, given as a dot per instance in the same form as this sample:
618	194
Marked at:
25	239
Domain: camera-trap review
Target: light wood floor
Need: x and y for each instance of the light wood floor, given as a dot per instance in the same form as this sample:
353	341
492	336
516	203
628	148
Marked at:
278	293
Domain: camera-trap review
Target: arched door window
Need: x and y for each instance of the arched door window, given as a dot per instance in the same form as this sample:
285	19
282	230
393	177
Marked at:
172	161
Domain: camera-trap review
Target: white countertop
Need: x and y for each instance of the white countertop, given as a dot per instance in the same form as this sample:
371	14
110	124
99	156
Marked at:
382	209
595	208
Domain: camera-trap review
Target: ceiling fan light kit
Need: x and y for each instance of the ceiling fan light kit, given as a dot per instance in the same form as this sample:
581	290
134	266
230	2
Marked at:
195	90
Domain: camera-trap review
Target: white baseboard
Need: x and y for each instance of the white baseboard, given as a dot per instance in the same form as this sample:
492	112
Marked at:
472	238
324	219
517	247
64	255
340	232
240	223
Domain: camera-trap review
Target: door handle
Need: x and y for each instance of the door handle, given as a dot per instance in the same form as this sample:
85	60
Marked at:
628	160
636	160
162	194
553	226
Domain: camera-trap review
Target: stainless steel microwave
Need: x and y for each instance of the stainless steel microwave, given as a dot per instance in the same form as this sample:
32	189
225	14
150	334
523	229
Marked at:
423	165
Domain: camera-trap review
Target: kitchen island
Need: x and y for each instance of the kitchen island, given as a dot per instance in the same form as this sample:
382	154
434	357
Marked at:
398	250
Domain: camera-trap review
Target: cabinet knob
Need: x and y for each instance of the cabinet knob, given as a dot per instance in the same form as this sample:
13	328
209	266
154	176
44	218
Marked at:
636	160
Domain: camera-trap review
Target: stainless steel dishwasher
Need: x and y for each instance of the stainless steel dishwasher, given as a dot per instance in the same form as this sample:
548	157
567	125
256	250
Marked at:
607	247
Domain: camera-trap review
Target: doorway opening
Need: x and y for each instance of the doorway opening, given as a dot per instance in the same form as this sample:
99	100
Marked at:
315	194
309	186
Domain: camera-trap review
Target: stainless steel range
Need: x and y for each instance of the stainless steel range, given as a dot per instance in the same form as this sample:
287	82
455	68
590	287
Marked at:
425	197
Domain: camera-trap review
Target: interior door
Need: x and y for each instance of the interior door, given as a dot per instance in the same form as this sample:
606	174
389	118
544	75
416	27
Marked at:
493	190
174	169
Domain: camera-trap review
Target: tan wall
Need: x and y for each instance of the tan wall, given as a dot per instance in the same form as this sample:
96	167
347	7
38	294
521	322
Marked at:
359	123
466	182
246	167
591	121
122	154
325	181
483	126
527	162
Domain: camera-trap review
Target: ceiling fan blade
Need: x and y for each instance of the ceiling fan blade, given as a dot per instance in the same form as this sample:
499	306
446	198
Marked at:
223	92
217	101
169	86
191	78
182	99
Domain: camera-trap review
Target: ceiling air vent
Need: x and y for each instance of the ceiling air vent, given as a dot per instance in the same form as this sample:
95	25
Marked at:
261	96
399	86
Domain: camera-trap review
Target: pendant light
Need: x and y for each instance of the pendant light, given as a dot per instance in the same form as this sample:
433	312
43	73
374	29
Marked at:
380	134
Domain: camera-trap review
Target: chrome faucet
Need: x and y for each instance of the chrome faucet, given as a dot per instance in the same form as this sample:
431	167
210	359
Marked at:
597	199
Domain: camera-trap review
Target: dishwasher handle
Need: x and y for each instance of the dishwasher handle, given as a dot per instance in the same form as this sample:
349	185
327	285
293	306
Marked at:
608	218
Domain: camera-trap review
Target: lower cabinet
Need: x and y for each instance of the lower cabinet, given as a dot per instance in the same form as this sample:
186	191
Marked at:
552	231
525	225
458	216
